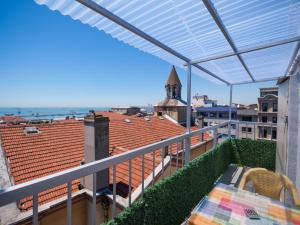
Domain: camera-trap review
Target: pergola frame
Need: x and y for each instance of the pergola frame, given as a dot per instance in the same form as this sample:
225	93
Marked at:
41	184
195	62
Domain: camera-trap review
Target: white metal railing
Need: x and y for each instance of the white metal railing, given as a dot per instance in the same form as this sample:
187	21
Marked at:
34	187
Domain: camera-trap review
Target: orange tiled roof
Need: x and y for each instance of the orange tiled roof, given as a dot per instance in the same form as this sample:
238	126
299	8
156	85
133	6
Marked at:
60	145
13	119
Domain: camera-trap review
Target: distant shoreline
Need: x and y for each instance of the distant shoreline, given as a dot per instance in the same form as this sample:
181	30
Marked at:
39	113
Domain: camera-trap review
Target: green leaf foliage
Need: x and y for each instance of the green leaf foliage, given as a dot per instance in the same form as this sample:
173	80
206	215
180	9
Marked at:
171	200
255	153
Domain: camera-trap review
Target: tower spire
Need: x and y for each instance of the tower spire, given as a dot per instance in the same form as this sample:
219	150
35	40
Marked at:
173	85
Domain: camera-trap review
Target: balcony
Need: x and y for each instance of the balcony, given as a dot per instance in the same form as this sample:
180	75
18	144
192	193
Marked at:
191	35
195	179
171	200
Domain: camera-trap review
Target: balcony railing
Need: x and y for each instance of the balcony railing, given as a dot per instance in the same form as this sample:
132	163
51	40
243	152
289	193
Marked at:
36	186
171	201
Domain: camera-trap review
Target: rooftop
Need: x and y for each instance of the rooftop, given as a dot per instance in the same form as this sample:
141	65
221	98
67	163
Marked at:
247	112
60	145
216	109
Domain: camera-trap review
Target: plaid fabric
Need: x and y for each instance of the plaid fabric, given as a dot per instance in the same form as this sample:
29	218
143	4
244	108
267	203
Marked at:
226	204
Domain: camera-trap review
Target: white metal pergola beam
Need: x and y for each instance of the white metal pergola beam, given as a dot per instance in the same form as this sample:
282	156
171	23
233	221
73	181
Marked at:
258	81
109	15
246	50
295	53
213	12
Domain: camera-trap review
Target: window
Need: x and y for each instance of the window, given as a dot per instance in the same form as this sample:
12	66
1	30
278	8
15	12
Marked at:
205	124
274	134
233	126
204	114
264	107
244	129
275	108
247	118
265	133
212	115
274	119
166	152
249	129
264	119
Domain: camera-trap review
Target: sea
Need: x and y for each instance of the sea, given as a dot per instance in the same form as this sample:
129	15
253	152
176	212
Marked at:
47	113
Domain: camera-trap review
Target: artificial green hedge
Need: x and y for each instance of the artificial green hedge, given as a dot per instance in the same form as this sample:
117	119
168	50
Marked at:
171	200
254	153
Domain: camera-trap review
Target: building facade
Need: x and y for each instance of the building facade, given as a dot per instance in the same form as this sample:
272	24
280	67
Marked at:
246	129
203	101
267	113
130	110
216	115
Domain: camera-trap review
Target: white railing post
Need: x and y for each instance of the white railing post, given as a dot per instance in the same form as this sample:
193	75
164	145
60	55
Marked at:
35	210
188	115
143	174
230	104
114	191
237	130
94	200
69	203
130	182
215	136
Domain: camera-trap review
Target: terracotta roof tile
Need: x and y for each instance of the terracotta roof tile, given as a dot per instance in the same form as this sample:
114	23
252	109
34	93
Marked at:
60	145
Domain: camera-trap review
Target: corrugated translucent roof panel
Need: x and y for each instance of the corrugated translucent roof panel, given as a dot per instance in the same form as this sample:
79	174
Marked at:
230	68
271	62
187	27
256	22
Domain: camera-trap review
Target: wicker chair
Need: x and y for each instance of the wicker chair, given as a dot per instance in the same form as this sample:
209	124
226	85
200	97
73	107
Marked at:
270	184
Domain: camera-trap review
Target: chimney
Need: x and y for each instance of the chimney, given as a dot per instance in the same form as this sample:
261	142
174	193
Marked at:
96	147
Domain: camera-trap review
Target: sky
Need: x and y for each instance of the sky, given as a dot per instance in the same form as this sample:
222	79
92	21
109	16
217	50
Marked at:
50	60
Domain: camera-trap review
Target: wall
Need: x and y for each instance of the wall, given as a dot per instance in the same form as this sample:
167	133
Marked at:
199	150
245	134
288	150
59	216
81	212
281	151
293	161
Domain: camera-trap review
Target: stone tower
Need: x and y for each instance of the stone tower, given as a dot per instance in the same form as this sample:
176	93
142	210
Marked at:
172	106
173	85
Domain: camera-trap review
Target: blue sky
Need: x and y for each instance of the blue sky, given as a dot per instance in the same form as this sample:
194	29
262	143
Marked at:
47	59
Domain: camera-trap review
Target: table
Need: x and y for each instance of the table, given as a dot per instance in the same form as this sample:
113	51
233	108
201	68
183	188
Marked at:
225	205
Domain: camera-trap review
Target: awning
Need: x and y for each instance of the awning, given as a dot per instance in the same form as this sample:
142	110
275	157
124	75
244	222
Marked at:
226	41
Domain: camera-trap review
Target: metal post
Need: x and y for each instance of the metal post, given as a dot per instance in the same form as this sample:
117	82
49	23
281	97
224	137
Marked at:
35	211
130	182
237	135
143	174
230	104
177	148
153	168
215	136
170	158
94	201
162	161
69	204
114	192
188	115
